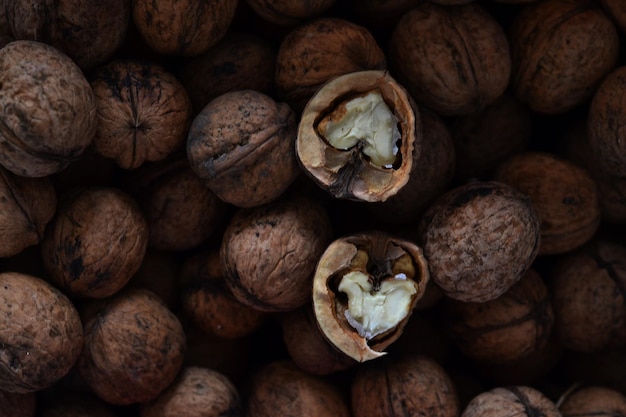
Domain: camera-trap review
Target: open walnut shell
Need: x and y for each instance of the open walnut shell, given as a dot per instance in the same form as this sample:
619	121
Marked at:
357	136
364	290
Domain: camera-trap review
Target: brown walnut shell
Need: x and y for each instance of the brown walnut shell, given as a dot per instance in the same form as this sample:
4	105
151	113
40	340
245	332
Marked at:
349	173
453	59
318	51
47	109
186	27
26	207
242	144
41	336
479	239
561	51
515	400
330	305
143	112
88	31
95	243
588	401
134	348
564	195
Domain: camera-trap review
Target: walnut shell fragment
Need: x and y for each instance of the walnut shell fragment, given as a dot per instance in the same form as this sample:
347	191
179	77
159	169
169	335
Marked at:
364	290
373	160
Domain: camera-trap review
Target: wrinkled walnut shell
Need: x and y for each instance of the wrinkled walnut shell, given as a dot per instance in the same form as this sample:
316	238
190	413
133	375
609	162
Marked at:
349	173
514	400
330	305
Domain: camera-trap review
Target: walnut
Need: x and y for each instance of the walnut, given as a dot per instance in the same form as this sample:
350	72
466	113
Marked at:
184	28
242	144
318	51
505	329
587	401
134	348
47	109
453	59
364	290
41	336
517	400
404	385
281	388
88	31
289	12
240	61
196	392
165	190
95	243
561	50
358	136
564	195
589	308
269	253
479	239
143	112
26	207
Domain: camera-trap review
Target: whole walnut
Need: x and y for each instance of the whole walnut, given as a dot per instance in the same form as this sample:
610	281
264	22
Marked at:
41	336
515	400
289	12
404	385
143	111
88	31
315	52
280	388
240	61
561	51
587	401
17	405
589	307
453	59
269	253
47	109
479	239
506	329
186	28
564	195
95	243
26	207
196	392
134	348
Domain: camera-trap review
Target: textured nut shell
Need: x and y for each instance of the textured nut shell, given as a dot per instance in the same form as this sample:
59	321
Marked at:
404	386
47	109
505	329
592	401
343	173
143	112
561	50
96	242
588	297
514	400
26	207
289	12
242	144
337	257
41	336
453	59
133	349
606	114
564	195
319	51
479	239
280	388
184	27
197	392
88	31
269	253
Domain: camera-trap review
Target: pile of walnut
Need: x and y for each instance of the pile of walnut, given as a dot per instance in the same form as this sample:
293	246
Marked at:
312	208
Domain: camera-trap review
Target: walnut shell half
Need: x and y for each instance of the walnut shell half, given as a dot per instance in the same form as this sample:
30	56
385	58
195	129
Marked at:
357	136
364	290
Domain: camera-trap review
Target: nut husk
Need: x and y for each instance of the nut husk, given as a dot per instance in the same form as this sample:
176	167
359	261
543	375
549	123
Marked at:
350	173
380	258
